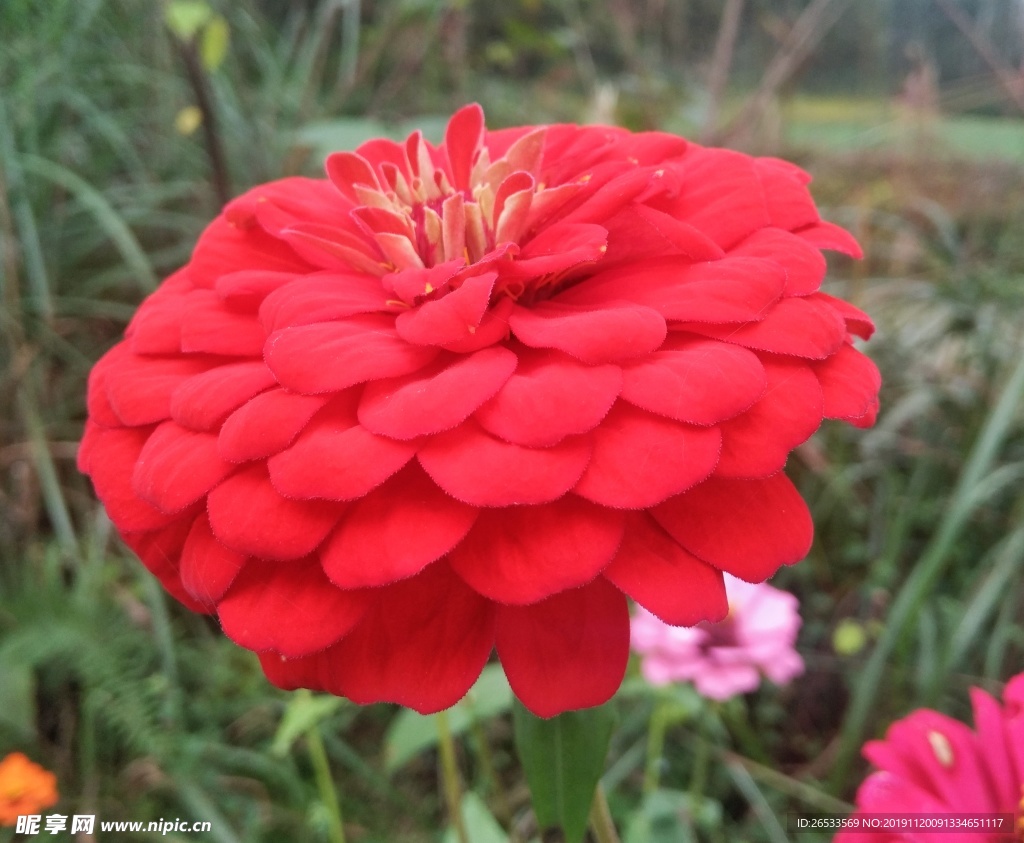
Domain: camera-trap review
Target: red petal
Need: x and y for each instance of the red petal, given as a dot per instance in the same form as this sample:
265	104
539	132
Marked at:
850	383
523	554
98	405
857	321
474	467
721	195
801	327
640	460
336	249
827	235
177	467
249	287
550	396
110	459
411	285
789	204
267	424
203	402
395	531
331	356
226	247
213	327
288	607
568	652
423	645
336	458
280	204
613	332
159	551
346	169
727	290
638	232
450	318
156	326
207	567
493	328
248	515
322	297
289	674
757	443
745	527
140	388
559	248
805	266
615	194
662	577
462	138
437	398
698	381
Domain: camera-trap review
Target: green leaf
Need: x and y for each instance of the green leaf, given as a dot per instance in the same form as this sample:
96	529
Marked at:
481	827
17	699
303	713
410	733
563	759
186	17
213	44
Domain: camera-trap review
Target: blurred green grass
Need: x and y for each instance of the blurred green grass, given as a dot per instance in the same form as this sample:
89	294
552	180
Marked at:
843	125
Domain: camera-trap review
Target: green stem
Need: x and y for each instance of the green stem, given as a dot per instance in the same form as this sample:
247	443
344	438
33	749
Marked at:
484	756
601	822
450	776
656	745
325	783
700	762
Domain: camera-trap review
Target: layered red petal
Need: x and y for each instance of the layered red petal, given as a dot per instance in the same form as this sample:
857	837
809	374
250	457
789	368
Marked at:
250	516
640	459
288	607
664	578
336	458
422	645
524	554
479	469
395	531
550	396
696	381
437	398
749	528
567	652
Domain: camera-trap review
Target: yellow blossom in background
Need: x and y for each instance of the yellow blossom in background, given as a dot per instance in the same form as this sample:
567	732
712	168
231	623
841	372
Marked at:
188	120
25	788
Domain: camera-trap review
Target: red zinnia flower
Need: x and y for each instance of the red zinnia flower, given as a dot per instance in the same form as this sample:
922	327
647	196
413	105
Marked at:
471	396
933	765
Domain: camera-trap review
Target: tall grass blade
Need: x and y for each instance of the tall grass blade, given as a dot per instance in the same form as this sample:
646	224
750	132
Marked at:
929	568
103	212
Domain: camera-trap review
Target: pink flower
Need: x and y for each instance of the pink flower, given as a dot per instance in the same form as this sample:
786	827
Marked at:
932	764
726	658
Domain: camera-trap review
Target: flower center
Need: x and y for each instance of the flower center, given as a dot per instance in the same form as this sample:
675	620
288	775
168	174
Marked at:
725	633
419	219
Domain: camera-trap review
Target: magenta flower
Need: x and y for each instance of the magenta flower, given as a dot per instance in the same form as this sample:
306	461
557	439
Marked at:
729	657
931	764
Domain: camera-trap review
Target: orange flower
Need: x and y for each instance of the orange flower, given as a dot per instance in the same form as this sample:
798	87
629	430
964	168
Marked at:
25	788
